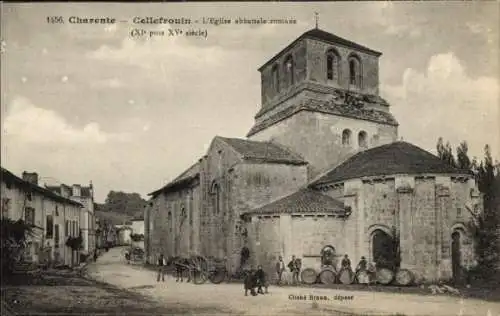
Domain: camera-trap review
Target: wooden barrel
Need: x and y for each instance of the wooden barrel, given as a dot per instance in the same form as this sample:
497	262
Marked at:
346	276
328	275
363	277
384	276
404	277
309	276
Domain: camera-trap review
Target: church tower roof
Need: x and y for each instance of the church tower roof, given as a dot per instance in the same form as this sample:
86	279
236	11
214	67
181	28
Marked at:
324	36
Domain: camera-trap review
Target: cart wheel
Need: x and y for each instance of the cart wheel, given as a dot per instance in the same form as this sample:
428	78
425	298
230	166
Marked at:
217	276
199	277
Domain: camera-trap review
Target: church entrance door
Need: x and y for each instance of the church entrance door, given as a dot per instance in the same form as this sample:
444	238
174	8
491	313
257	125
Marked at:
383	249
456	257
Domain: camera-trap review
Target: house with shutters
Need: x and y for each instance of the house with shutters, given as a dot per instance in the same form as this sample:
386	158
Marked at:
54	218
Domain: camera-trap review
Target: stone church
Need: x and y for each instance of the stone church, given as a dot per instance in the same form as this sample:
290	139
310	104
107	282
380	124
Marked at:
321	167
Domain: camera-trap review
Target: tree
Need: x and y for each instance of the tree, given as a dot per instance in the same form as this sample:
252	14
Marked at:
486	224
445	152
463	161
14	235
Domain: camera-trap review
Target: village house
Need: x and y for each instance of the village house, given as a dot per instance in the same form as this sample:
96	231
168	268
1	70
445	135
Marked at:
321	167
85	196
54	218
123	233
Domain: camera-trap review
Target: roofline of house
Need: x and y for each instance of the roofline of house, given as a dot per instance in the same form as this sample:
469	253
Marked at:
6	174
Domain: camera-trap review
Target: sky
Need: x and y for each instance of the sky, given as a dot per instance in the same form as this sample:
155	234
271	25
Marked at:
87	103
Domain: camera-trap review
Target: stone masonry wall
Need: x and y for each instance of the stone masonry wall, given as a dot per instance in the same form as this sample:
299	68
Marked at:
216	226
318	137
298	52
258	184
316	57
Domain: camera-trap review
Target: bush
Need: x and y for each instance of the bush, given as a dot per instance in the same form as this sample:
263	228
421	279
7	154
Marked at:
13	235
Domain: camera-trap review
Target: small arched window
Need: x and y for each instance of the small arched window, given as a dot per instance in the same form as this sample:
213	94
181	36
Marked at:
289	71
362	139
215	191
332	65
346	137
355	73
275	79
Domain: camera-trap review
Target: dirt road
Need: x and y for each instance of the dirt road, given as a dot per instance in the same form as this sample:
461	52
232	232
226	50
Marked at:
111	268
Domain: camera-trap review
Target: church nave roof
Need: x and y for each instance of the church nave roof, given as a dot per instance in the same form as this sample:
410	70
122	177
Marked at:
263	151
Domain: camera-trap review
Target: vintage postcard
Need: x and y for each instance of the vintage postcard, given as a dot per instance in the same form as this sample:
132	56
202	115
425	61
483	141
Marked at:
250	158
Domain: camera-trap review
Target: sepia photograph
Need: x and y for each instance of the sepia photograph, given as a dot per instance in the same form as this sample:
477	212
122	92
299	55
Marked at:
250	158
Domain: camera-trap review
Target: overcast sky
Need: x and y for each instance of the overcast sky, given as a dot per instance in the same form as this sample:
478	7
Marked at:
88	102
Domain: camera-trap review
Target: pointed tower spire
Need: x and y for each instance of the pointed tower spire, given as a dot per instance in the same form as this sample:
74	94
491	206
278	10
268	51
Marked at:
316	17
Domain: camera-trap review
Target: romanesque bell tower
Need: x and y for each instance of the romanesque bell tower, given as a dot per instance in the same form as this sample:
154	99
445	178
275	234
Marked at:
320	98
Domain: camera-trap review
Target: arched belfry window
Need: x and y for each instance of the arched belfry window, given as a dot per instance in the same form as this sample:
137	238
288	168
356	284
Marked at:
362	136
215	192
332	65
346	137
289	71
275	79
355	71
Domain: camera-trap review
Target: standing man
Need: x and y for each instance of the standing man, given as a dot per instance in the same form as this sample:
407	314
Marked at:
292	265
161	268
280	268
298	268
227	266
346	263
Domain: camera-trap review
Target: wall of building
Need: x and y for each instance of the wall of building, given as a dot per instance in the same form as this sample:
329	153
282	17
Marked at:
168	232
299	235
42	247
88	222
138	227
318	137
423	211
316	66
217	226
269	95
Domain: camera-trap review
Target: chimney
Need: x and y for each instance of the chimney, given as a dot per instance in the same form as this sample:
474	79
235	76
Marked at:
91	189
31	177
77	190
65	191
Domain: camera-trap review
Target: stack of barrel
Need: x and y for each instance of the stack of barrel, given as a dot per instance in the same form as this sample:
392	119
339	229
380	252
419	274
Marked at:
384	276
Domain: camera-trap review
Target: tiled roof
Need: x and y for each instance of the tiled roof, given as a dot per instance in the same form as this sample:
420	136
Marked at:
327	37
175	185
302	201
85	191
267	152
8	176
390	159
328	107
194	169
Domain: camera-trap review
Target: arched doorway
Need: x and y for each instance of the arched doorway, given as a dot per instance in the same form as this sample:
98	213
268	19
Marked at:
383	249
456	256
328	256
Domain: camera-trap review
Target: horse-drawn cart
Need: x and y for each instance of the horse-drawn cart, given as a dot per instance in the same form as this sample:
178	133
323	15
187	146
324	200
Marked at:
200	269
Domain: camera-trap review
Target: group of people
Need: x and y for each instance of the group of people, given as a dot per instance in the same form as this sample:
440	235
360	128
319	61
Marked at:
368	269
295	265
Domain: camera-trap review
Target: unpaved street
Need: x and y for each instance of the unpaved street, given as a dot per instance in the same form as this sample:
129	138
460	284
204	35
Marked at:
230	299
